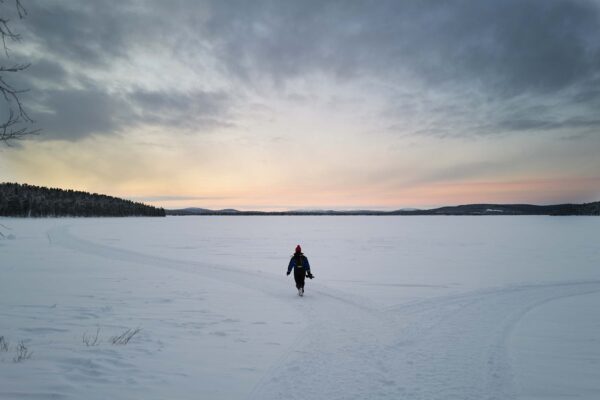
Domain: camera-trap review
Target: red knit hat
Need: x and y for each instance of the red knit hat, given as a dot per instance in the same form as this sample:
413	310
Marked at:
298	249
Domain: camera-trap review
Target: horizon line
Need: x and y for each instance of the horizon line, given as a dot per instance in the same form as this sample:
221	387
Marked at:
376	209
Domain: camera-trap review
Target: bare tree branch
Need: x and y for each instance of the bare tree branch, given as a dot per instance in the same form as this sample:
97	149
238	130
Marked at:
16	126
20	9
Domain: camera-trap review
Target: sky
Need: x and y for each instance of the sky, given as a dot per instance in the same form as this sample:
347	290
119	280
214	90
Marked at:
274	105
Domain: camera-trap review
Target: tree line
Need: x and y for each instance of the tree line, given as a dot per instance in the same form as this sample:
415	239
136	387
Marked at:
22	200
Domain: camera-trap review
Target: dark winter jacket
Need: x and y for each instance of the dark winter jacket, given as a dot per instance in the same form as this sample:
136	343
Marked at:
298	261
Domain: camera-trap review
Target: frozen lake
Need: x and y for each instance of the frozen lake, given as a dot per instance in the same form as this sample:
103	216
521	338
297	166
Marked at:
401	307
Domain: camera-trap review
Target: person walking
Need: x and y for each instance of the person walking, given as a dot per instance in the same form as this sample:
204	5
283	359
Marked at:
299	263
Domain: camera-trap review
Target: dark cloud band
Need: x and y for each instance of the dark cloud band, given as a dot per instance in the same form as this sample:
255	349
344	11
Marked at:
509	56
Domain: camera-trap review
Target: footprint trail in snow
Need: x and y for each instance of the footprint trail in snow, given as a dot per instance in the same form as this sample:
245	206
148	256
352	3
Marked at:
442	348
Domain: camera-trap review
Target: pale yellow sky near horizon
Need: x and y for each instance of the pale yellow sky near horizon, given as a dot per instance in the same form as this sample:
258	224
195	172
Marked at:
216	171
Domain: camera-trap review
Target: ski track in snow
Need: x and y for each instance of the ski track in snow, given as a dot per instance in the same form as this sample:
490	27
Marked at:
449	347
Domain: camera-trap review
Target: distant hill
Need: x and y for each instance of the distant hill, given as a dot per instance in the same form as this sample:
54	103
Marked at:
18	200
515	209
468	209
202	211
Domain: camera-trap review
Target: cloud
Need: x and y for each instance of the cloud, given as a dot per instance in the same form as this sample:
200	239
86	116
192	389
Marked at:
488	60
72	114
537	124
47	71
509	47
75	89
93	34
485	61
76	113
196	110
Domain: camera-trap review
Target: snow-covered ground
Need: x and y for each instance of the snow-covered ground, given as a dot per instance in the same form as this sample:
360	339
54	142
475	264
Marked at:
402	307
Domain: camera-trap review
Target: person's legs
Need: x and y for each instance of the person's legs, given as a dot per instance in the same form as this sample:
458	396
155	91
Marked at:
299	275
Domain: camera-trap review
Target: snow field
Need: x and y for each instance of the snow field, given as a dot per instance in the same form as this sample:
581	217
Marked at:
419	308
